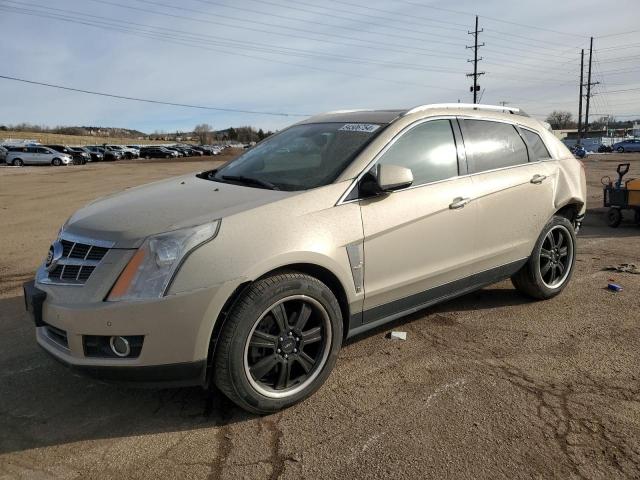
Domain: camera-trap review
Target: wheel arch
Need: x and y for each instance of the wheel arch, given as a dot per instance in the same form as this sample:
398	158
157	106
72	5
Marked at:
569	211
323	274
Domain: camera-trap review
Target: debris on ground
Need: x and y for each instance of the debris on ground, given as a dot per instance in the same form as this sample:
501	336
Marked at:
614	287
397	335
624	268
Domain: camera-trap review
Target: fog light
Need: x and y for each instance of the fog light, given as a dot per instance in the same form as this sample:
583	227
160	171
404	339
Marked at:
120	346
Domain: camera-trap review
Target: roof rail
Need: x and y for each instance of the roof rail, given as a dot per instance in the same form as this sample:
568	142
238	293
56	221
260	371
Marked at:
474	106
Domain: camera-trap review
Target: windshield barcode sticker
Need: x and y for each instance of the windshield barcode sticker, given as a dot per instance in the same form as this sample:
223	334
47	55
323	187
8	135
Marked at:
360	127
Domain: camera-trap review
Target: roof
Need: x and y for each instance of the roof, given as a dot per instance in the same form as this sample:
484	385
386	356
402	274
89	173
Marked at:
388	116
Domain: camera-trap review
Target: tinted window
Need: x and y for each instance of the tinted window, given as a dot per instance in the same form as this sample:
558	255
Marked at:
428	149
537	150
492	145
303	156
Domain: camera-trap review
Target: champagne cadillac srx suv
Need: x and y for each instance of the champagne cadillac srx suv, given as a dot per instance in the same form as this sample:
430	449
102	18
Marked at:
250	277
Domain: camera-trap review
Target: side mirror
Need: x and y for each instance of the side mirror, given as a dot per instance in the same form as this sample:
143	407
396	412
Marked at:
387	178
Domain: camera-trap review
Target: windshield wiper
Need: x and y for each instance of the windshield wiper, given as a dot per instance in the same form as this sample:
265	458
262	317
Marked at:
250	181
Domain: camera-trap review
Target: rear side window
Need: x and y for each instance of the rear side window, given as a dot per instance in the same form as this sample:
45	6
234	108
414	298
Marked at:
490	145
428	149
537	149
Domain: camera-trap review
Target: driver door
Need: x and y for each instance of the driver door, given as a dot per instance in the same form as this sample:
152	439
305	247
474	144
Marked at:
419	239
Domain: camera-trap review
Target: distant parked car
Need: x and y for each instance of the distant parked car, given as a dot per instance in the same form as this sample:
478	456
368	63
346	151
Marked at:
79	158
37	155
93	156
605	149
177	150
108	155
157	152
578	151
630	145
126	152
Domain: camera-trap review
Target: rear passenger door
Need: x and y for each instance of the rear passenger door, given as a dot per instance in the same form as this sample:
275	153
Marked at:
514	193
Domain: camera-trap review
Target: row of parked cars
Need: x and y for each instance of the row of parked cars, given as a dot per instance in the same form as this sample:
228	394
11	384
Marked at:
57	155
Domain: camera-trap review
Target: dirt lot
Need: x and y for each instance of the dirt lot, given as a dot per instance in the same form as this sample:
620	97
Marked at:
490	385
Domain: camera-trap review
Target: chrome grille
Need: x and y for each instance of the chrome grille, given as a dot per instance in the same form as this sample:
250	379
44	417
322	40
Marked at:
79	260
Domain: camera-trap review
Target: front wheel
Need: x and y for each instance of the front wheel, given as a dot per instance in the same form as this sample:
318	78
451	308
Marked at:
56	162
279	342
620	149
551	264
17	162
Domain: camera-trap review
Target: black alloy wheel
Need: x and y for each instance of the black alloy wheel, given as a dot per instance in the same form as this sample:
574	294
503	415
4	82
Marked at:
288	344
556	256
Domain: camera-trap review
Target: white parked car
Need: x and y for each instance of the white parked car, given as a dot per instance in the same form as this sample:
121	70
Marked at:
37	155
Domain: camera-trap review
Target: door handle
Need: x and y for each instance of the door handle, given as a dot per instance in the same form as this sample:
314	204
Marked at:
459	202
537	179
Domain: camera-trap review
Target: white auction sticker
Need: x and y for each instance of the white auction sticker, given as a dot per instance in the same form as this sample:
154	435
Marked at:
360	127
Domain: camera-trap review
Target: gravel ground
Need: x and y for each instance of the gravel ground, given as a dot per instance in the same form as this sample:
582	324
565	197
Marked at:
490	385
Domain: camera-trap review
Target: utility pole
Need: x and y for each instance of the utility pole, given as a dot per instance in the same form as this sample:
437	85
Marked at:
589	84
580	102
475	88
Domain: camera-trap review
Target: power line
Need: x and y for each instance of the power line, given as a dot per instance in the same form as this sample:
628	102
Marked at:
495	19
190	42
146	100
306	32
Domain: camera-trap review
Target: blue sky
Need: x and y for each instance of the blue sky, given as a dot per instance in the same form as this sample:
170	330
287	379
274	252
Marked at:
305	57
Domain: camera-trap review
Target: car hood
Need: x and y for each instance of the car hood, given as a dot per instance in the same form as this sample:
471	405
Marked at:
128	217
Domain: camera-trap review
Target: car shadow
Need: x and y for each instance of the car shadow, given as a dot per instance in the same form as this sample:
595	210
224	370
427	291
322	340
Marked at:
595	225
43	403
483	299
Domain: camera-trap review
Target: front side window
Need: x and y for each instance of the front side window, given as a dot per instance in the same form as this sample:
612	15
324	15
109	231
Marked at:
428	150
537	149
301	157
490	145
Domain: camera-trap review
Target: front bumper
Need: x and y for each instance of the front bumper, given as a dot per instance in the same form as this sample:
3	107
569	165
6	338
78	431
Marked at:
176	333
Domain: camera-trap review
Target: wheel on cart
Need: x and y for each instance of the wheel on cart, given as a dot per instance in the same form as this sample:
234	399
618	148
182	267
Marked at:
614	217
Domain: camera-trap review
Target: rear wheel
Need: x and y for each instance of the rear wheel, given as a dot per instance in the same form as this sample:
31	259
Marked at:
614	217
17	162
279	342
550	266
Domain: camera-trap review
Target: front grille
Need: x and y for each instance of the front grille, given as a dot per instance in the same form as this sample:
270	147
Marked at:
77	263
82	251
72	272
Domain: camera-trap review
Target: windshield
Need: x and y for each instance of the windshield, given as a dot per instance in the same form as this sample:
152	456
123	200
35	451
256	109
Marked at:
300	157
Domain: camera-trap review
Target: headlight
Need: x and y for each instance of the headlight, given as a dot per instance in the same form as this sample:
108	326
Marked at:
150	270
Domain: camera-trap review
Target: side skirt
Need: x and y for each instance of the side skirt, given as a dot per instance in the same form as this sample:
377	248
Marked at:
376	316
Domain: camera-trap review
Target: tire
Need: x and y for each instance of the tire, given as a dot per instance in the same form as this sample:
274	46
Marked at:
614	217
540	278
620	149
147	157
254	343
17	162
56	162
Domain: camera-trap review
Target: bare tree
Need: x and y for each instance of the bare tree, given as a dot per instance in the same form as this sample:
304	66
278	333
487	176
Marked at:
560	120
203	132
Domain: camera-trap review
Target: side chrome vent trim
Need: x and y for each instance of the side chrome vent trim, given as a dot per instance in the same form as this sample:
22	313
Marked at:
355	252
